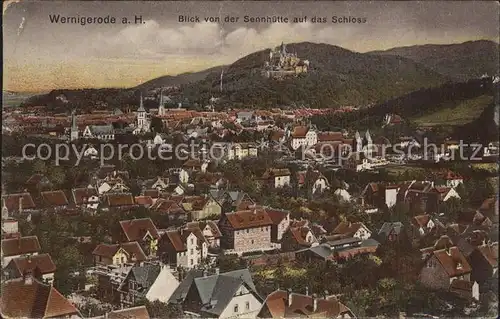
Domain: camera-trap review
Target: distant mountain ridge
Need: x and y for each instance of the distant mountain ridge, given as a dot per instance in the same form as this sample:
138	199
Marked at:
461	62
336	77
180	79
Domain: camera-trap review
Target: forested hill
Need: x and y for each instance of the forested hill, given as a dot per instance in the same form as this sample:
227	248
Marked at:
461	62
415	104
337	77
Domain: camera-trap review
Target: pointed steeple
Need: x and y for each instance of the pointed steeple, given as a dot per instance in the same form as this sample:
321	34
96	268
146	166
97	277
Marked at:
141	106
73	120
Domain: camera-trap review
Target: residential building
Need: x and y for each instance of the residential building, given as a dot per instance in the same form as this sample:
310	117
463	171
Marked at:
185	248
201	207
54	199
287	304
41	267
118	254
246	230
296	238
101	132
210	231
19	247
357	230
150	281
225	295
444	266
303	136
142	231
314	181
15	204
28	298
139	312
281	222
86	197
484	262
277	178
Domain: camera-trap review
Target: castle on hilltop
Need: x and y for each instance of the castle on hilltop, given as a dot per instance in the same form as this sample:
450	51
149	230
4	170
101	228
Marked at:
282	63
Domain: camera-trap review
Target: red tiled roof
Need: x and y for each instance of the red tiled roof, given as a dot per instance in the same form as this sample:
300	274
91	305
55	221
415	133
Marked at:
81	195
109	250
249	218
20	246
153	193
139	312
120	199
277	305
277	215
451	259
330	136
35	300
136	229
29	263
54	198
300	131
347	228
299	234
12	201
144	200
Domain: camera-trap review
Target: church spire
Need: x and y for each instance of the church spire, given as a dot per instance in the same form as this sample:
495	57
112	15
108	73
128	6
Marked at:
141	106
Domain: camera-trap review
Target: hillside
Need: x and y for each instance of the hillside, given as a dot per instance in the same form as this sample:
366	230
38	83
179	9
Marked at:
177	80
337	77
454	113
470	106
461	62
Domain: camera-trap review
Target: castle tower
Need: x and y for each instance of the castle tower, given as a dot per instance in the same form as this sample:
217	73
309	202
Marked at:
161	107
74	127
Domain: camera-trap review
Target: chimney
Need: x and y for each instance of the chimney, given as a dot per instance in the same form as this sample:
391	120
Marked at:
315	302
326	293
205	273
217	270
307	290
289	297
28	277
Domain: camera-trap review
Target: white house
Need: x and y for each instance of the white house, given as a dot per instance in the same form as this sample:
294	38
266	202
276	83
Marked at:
356	230
163	287
343	194
100	132
277	177
185	248
303	136
91	152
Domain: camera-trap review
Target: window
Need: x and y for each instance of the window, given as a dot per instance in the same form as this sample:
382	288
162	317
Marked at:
247	305
190	262
192	241
191	251
262	229
236	308
248	230
252	241
123	260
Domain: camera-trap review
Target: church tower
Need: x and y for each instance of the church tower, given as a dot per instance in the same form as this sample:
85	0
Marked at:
74	127
359	142
142	122
161	107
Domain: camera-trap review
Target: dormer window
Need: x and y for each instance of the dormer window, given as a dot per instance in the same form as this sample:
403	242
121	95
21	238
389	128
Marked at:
459	266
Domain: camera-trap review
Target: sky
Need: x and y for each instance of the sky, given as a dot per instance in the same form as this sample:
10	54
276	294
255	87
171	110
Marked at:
40	55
